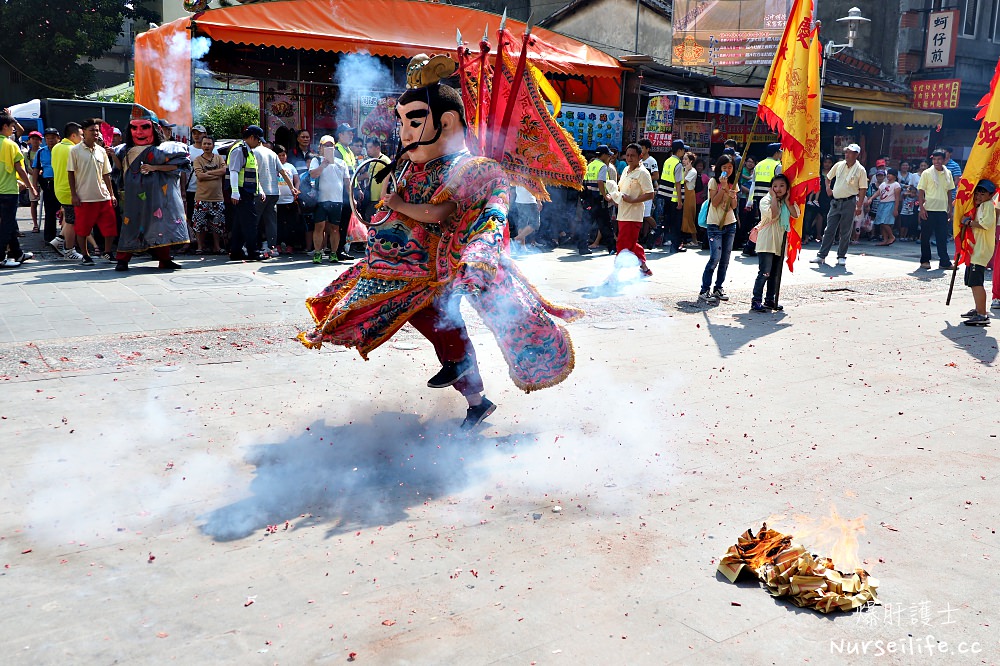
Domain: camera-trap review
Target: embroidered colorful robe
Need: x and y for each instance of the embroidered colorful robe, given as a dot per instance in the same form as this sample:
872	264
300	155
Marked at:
153	209
408	264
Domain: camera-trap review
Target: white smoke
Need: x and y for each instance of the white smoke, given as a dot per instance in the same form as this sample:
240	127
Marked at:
360	75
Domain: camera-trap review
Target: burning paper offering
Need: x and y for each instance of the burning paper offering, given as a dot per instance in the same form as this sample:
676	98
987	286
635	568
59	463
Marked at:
789	570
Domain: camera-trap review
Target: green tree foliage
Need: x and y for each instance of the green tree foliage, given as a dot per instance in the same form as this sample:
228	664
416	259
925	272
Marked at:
45	40
227	121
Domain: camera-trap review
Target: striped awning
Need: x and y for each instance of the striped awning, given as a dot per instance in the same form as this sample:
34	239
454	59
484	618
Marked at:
825	115
707	105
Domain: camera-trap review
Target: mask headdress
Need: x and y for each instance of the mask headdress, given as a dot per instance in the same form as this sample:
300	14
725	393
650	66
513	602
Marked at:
423	84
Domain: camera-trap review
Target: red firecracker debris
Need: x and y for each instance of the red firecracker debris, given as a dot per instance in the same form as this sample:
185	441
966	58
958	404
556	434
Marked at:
388	623
151	558
352	656
25	551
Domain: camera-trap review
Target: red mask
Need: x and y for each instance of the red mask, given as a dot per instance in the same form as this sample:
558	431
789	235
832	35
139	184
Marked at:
142	132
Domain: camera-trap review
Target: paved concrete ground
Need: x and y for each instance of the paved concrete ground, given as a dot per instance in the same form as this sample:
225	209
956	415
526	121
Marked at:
154	426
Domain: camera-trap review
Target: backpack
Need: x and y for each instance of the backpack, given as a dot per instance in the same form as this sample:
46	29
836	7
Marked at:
703	214
699	183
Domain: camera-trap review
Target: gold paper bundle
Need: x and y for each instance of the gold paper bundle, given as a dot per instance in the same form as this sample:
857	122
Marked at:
790	571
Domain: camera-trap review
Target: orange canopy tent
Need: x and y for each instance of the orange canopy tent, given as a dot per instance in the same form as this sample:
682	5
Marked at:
395	28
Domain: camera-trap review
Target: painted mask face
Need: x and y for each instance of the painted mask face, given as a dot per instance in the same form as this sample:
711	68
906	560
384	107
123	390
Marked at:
142	131
417	125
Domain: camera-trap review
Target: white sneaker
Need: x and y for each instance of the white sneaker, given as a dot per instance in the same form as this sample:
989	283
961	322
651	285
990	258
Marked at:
817	260
73	255
996	304
841	261
58	244
25	256
9	263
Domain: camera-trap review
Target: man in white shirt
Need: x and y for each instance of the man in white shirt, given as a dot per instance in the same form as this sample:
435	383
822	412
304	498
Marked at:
844	182
268	166
332	181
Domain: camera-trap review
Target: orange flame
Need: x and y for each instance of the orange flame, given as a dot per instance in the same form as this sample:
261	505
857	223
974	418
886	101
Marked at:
830	536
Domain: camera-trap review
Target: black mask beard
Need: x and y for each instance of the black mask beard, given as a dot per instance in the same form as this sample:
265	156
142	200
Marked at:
384	173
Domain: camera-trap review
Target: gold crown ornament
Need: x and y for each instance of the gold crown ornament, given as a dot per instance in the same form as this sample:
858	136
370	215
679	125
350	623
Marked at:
425	70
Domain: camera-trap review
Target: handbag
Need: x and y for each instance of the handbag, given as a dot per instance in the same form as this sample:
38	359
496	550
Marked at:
753	234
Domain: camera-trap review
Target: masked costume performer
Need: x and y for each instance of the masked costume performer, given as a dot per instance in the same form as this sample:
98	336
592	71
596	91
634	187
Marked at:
443	238
153	217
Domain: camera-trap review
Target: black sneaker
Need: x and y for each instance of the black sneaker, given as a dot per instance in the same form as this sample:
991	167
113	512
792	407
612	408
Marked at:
720	294
773	306
121	266
476	415
450	372
585	250
755	306
343	256
88	261
978	320
971	313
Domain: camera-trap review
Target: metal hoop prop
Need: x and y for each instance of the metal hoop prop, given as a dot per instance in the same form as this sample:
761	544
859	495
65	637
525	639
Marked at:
390	182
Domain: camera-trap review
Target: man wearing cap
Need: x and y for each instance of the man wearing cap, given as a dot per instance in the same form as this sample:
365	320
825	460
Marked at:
345	137
42	167
844	182
668	199
595	209
934	193
731	145
247	196
763	174
72	135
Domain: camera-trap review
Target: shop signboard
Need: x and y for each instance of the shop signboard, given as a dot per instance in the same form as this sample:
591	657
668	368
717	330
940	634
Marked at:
740	129
942	36
936	94
715	33
659	124
591	126
695	133
910	144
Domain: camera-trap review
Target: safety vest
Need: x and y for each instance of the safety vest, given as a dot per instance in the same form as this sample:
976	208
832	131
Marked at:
248	173
590	178
668	184
349	159
763	174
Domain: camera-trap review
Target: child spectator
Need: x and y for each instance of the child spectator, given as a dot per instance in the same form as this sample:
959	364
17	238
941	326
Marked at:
982	224
908	212
888	206
775	214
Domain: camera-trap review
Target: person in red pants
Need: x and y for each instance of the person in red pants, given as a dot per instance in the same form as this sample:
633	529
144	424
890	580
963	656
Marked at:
635	187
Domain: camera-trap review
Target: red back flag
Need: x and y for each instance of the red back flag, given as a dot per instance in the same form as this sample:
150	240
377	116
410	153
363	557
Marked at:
983	163
790	106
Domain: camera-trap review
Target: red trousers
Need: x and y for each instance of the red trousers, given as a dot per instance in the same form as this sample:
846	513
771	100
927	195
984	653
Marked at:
160	253
451	343
628	239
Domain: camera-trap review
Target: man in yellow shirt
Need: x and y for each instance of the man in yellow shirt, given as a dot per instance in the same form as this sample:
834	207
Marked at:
933	199
72	135
981	222
11	166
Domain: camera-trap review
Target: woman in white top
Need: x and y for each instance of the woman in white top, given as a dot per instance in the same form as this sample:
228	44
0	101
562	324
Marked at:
689	223
723	198
775	216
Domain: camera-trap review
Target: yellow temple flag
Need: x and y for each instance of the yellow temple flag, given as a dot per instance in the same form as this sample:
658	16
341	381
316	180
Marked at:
790	106
983	164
